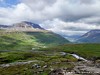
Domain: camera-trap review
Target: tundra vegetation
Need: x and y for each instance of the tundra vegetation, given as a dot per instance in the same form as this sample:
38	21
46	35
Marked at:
38	53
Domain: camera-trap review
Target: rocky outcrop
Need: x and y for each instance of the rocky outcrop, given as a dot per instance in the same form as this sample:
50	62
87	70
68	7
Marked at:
57	72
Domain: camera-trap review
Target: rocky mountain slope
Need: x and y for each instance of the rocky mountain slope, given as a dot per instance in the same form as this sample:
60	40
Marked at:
4	26
92	36
27	35
25	24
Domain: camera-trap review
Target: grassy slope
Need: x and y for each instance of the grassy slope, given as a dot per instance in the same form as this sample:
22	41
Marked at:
49	38
28	40
53	59
86	50
42	58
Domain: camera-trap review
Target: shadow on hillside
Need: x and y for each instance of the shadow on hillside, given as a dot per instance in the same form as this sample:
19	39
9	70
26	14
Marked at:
8	42
48	37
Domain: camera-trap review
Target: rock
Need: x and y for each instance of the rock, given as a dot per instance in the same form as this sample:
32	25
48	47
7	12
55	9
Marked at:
56	72
36	66
45	66
41	71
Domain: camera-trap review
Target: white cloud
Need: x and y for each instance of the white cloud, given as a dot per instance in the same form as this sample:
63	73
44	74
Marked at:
64	9
42	10
15	14
68	28
61	16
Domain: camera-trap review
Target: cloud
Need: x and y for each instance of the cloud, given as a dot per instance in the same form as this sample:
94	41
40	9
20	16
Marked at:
61	16
91	20
67	10
15	14
68	28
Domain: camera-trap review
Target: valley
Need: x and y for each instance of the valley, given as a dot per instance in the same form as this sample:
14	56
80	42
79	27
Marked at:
44	61
28	49
26	36
49	37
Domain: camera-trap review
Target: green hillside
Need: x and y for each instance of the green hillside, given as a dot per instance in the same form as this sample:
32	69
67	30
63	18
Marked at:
89	51
52	57
29	40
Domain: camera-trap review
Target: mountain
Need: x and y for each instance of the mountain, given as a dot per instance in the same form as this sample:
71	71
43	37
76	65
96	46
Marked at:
92	36
71	38
34	25
26	36
22	26
4	26
26	24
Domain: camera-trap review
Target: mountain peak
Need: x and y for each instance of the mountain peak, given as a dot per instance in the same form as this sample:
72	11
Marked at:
92	36
95	31
26	24
92	32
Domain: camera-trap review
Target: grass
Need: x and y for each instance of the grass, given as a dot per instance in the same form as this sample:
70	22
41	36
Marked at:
28	70
48	56
53	61
8	57
48	38
29	40
15	47
88	51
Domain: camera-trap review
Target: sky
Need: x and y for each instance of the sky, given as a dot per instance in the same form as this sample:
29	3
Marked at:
65	17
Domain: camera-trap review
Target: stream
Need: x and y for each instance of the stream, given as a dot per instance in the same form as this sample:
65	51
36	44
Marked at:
81	66
78	57
28	62
74	55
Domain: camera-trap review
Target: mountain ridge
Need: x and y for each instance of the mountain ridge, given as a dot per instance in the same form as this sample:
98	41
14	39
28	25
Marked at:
23	24
23	36
93	36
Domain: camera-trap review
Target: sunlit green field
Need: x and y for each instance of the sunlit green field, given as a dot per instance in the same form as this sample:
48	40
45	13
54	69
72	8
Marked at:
46	56
29	40
41	48
86	50
53	60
